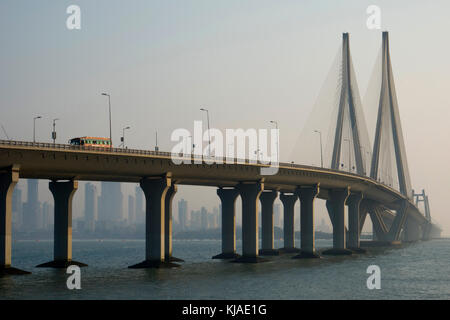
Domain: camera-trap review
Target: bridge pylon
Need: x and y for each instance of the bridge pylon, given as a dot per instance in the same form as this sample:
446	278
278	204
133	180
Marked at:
349	115
389	132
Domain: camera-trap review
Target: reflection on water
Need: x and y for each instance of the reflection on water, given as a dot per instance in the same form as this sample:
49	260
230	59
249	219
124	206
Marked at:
415	271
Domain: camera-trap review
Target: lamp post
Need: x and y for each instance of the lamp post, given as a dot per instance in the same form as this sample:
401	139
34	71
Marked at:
110	129
156	138
278	138
321	152
34	127
209	133
54	131
123	135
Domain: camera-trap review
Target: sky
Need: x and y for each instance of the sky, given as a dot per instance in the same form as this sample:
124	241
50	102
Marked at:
247	61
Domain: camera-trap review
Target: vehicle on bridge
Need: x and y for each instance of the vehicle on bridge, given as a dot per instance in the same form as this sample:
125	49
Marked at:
91	142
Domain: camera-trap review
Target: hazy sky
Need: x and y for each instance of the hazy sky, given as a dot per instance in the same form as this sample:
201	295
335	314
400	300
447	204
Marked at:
248	62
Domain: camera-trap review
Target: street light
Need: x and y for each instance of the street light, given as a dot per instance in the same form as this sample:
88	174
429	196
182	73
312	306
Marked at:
110	129
321	152
34	127
54	131
209	133
278	138
123	135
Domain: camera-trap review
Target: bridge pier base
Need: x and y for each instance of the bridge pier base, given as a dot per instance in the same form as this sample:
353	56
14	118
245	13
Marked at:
307	195
412	231
354	229
288	201
267	199
155	190
228	200
168	225
336	210
8	180
250	193
63	193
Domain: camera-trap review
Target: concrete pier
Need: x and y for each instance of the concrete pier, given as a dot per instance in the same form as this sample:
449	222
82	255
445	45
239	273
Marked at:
288	201
307	195
250	193
63	192
8	180
336	210
412	231
267	199
354	215
168	225
228	199
155	190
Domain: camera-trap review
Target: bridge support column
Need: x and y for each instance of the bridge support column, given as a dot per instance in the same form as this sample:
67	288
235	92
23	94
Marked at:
288	201
307	195
412	231
63	193
354	215
250	193
336	210
267	199
168	225
228	200
155	190
8	180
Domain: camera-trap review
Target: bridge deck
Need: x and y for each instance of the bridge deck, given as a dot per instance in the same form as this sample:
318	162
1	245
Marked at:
64	162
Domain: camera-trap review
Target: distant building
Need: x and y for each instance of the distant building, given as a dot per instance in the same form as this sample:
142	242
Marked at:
323	227
131	210
17	208
277	215
204	218
32	208
110	204
182	214
195	221
47	216
217	220
90	207
140	209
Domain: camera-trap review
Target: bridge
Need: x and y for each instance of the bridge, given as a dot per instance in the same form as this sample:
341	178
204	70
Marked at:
392	207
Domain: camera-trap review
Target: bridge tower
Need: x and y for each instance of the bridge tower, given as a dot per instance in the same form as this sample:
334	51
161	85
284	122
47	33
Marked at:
422	197
348	107
388	128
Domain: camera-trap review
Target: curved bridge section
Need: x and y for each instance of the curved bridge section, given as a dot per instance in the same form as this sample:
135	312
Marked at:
394	216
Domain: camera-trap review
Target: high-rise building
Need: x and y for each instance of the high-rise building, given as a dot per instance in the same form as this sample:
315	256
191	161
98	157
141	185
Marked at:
131	210
217	220
17	208
204	218
110	204
47	215
32	207
90	207
277	215
182	214
139	207
195	221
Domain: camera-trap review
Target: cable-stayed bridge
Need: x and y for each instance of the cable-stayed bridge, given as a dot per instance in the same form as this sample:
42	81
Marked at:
370	180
